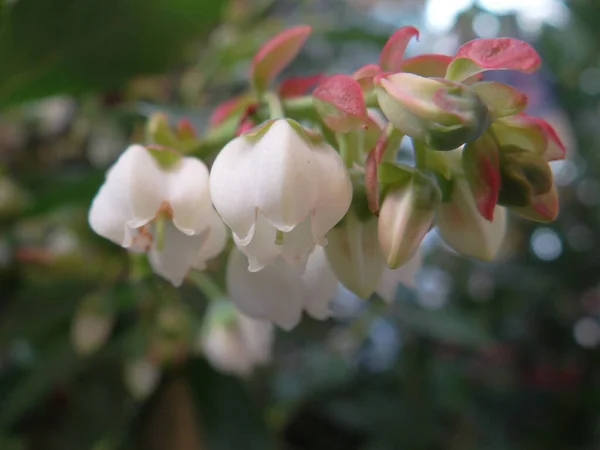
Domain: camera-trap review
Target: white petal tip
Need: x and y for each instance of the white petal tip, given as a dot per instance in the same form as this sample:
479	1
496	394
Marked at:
321	241
245	240
186	231
255	266
137	223
287	326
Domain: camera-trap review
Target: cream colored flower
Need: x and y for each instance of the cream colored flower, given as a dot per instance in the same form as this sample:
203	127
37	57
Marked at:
279	192
147	205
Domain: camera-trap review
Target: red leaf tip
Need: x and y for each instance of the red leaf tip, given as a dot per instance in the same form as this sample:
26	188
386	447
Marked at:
277	53
393	51
295	86
501	53
345	94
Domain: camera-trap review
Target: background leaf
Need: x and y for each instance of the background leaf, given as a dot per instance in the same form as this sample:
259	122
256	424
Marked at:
72	46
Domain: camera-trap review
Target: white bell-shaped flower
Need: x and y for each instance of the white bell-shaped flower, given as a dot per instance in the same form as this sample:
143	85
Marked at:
234	343
358	263
159	203
354	255
279	293
141	377
91	325
279	192
461	226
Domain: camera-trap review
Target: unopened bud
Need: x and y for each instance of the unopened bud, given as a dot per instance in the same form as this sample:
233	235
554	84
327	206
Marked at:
353	252
406	215
91	326
442	113
524	175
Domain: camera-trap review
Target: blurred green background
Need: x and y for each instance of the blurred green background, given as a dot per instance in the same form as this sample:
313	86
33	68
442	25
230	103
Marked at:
482	356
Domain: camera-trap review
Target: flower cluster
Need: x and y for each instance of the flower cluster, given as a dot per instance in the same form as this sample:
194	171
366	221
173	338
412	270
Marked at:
311	189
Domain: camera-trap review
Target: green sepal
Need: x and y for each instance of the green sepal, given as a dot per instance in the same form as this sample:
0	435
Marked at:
309	136
449	137
392	173
524	175
159	132
256	134
427	194
165	157
446	186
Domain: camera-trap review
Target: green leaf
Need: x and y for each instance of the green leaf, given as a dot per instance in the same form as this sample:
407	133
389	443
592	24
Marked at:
230	416
58	362
276	54
446	325
9	442
73	46
68	188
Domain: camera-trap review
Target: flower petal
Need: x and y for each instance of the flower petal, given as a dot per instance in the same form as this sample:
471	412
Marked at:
178	255
261	250
320	285
543	208
141	377
405	217
188	195
235	197
224	349
90	327
297	245
285	176
232	342
353	253
481	165
279	293
257	336
108	215
273	293
334	190
147	183
465	230
215	239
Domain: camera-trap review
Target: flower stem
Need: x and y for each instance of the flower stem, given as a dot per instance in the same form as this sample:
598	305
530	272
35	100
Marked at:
347	148
215	139
371	100
420	155
159	232
207	285
279	237
275	106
